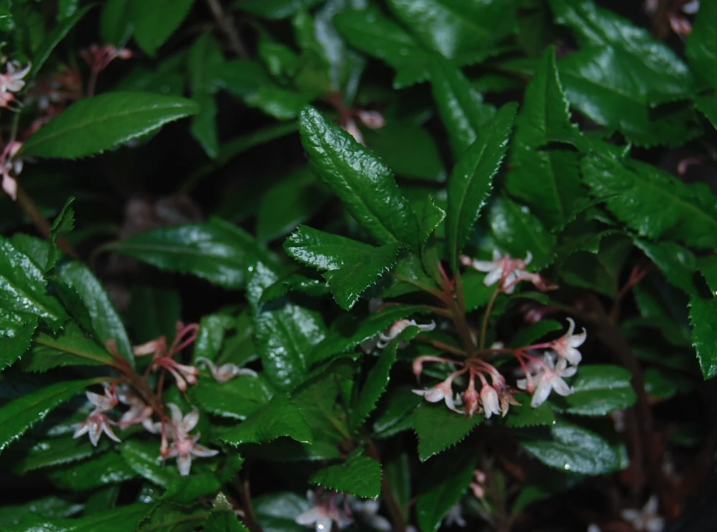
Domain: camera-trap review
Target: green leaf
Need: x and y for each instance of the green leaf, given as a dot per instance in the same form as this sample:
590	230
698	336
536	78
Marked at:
52	39
154	311
677	263
143	458
527	416
621	70
274	9
155	22
351	334
461	107
597	391
518	232
575	449
22	413
47	507
379	36
703	316
701	45
708	269
358	475
99	123
292	201
117	520
653	202
396	416
364	184
108	468
378	378
187	490
453	428
407	149
56	451
238	399
445	484
23	287
15	335
222	518
286	333
71	347
216	251
546	179
276	511
598	271
471	180
431	218
167	516
106	323
708	107
280	417
452	27
475	292
534	332
115	23
64	223
351	266
204	56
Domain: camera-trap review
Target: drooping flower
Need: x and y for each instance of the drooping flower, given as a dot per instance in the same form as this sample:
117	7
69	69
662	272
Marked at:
225	372
97	421
489	399
478	484
472	399
647	519
98	57
184	446
550	377
442	391
139	411
566	345
398	327
12	80
10	165
162	356
324	512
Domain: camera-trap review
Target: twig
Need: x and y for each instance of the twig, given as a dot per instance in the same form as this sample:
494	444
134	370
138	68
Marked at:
249	513
226	24
394	509
659	26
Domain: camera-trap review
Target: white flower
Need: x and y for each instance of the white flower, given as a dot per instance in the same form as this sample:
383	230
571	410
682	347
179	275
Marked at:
549	378
105	402
352	129
455	517
371	119
323	513
95	424
8	165
225	372
501	268
400	326
12	81
139	411
647	519
184	446
489	399
566	345
367	511
441	392
691	8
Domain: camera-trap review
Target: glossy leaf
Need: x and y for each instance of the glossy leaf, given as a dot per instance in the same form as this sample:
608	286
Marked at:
703	313
115	520
285	334
64	223
349	335
452	27
143	458
205	56
395	416
55	451
358	475
708	107
430	218
115	23
237	399
280	417
471	180
444	485
106	322
186	490
546	179
71	347
454	428
216	251
47	507
155	22
276	512
653	202
597	391
99	123
575	449
518	232
23	287
52	39
598	271
461	108
351	266
677	263
223	518
364	184
274	9
15	335
701	46
527	416
534	332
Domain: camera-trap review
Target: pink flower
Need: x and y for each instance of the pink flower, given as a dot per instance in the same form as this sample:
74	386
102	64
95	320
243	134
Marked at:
441	392
371	119
323	513
182	373
501	268
98	57
225	372
139	412
478	486
352	129
97	421
184	446
13	81
8	165
400	326
471	399
549	378
566	345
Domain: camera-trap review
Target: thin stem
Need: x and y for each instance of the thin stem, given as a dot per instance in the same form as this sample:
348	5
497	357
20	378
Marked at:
442	346
92	83
394	509
441	296
226	24
249	513
486	318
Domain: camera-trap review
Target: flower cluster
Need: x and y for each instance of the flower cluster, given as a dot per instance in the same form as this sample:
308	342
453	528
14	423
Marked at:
184	446
12	82
163	357
331	507
398	327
